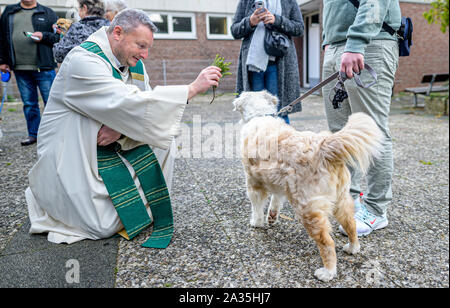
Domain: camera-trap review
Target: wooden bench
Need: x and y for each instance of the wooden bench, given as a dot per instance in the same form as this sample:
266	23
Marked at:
431	79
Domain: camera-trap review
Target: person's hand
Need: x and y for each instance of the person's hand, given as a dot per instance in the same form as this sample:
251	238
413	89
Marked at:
107	135
208	77
57	29
352	63
325	48
268	18
39	35
257	16
4	68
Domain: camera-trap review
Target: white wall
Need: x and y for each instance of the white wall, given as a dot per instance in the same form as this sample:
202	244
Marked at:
210	6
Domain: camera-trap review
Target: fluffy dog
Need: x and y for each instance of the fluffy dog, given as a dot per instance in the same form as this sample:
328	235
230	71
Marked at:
309	169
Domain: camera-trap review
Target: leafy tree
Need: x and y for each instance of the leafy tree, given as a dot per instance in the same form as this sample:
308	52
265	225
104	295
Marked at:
438	14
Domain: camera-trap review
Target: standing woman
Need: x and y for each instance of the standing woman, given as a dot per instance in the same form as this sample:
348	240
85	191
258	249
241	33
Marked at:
258	71
92	18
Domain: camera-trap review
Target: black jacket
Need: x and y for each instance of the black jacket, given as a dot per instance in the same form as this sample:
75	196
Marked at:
42	20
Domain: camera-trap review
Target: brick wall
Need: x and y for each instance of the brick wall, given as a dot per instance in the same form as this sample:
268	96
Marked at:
429	53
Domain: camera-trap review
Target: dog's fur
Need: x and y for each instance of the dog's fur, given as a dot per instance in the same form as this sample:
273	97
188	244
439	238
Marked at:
309	169
64	24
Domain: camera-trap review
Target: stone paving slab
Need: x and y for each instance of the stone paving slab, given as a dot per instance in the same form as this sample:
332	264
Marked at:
30	261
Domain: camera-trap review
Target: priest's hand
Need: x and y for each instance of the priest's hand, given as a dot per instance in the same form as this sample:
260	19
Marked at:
107	135
208	77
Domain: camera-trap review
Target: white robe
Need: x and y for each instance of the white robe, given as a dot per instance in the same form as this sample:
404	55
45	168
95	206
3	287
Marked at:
66	197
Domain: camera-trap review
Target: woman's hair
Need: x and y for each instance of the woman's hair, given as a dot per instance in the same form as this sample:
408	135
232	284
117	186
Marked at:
94	7
115	5
130	19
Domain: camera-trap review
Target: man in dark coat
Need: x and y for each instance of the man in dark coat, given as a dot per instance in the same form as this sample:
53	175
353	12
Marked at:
26	41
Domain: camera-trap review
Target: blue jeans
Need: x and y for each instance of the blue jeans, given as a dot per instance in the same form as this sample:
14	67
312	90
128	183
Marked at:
28	83
267	80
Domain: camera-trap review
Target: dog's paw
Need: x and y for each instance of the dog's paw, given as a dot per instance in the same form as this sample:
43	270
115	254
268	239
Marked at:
272	218
325	274
351	249
257	223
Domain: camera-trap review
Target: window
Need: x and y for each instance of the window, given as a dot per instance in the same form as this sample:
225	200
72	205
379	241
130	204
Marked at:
161	21
218	27
174	25
182	24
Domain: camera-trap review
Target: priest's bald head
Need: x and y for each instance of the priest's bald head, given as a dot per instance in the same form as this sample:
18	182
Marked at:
131	35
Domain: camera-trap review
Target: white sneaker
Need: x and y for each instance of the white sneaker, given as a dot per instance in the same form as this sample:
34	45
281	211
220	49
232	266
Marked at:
366	222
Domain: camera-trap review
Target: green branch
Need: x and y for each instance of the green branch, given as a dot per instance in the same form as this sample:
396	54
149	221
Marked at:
224	66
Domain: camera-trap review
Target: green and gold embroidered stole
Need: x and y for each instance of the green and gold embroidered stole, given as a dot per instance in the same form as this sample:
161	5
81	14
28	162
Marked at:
121	187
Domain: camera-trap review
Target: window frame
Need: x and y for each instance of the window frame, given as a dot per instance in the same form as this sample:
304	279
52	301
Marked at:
176	35
228	36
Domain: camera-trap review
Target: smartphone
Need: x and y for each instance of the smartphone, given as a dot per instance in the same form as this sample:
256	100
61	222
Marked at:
30	35
259	5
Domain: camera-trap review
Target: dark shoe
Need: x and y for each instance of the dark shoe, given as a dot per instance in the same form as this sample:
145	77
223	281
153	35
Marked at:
28	141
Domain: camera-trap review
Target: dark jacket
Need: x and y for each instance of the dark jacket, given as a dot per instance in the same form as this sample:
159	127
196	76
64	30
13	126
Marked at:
77	34
290	23
42	20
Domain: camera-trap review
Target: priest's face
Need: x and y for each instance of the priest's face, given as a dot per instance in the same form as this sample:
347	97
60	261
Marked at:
132	46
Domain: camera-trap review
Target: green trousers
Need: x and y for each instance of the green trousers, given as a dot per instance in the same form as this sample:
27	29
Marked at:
382	55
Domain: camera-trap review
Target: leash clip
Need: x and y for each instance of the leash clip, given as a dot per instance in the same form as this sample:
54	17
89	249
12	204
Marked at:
286	109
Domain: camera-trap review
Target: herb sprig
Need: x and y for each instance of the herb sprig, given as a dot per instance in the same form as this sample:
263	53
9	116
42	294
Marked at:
224	66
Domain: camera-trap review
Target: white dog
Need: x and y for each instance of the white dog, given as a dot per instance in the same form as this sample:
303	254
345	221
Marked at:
307	168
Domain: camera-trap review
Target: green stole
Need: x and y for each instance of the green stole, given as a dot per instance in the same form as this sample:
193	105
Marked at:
121	187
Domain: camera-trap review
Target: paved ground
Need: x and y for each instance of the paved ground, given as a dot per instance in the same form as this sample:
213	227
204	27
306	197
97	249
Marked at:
213	244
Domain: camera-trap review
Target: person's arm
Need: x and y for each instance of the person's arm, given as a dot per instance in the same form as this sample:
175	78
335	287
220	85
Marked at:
3	43
368	23
292	25
150	117
242	26
49	37
208	77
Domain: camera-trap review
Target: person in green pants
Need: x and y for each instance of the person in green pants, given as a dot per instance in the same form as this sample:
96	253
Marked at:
351	37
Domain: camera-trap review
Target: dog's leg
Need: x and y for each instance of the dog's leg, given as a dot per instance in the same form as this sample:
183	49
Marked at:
318	227
344	214
273	214
258	200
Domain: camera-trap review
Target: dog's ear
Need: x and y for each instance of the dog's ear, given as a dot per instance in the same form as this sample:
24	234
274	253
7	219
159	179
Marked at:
236	104
239	101
271	98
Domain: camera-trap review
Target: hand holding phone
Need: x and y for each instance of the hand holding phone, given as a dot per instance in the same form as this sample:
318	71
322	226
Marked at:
259	12
259	6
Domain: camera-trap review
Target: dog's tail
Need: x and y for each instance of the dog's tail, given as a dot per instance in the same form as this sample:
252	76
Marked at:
356	144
